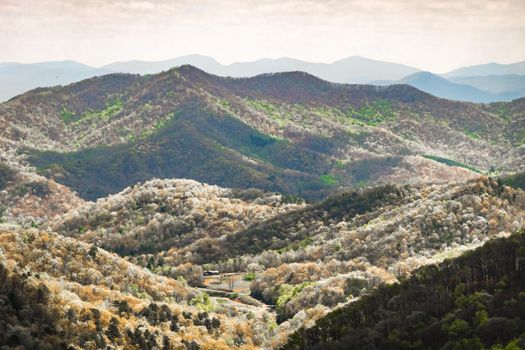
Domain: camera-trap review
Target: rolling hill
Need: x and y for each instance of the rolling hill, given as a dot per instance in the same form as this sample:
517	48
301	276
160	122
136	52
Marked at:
306	259
172	212
29	199
59	293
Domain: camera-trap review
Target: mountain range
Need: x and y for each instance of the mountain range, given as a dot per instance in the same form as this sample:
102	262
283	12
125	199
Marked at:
496	82
186	210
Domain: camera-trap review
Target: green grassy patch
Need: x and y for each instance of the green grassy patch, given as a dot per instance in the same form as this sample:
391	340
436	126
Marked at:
328	180
202	302
157	126
110	110
374	113
250	276
297	245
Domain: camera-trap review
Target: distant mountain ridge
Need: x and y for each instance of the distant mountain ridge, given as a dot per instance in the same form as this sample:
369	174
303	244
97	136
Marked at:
441	87
488	69
355	69
16	78
495	84
462	90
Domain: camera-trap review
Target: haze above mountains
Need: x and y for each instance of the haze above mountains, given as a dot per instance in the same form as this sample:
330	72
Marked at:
480	83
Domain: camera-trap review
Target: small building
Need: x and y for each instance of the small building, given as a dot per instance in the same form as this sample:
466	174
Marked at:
210	273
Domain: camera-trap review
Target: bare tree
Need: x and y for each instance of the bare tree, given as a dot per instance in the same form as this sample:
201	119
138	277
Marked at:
231	282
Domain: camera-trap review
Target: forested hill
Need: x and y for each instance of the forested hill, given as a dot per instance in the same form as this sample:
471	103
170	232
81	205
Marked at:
476	301
287	132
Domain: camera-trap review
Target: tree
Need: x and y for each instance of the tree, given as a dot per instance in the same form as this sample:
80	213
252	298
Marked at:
113	332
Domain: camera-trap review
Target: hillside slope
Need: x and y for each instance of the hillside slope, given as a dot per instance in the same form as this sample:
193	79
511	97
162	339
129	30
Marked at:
322	254
305	259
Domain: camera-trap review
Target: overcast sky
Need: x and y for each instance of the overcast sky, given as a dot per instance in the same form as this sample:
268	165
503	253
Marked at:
436	35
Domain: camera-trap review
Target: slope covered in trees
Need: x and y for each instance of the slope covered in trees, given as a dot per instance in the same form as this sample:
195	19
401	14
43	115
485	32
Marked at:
303	258
347	257
476	301
59	293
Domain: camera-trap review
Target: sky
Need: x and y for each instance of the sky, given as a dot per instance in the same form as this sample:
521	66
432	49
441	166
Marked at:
435	35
